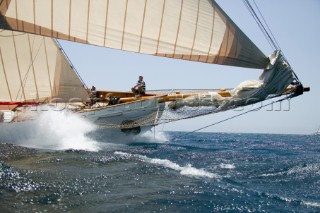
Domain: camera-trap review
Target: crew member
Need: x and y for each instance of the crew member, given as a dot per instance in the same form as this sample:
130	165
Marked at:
140	87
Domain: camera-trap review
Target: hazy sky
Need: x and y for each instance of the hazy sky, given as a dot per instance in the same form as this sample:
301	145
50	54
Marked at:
296	27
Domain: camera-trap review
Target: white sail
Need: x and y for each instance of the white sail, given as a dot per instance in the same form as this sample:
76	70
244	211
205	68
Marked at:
33	68
196	30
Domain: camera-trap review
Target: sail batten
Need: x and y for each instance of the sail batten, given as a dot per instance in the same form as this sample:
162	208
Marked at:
183	29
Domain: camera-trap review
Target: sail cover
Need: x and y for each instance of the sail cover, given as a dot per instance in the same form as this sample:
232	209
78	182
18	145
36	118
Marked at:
196	30
33	69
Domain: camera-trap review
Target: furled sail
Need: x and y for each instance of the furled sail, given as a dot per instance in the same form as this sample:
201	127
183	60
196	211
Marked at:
273	81
196	30
33	69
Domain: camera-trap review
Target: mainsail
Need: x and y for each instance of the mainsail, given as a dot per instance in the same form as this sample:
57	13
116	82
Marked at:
33	69
196	30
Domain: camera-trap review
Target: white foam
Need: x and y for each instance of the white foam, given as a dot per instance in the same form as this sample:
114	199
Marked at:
154	137
54	130
307	169
313	204
187	170
227	166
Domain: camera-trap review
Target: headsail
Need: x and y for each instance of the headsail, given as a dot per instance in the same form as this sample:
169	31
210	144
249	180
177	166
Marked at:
184	29
33	69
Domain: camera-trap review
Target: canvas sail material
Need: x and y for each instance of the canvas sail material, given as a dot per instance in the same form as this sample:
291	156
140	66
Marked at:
195	30
33	69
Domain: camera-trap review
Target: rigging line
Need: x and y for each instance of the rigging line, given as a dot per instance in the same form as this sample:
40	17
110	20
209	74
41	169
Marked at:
269	32
238	115
266	24
261	25
266	30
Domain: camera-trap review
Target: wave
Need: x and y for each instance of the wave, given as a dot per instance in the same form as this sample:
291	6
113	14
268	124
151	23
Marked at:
187	170
299	171
227	166
312	204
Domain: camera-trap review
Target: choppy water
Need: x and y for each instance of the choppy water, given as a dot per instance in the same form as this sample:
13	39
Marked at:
198	172
205	172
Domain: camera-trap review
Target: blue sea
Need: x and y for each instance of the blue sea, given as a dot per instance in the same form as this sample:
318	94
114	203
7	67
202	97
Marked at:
163	172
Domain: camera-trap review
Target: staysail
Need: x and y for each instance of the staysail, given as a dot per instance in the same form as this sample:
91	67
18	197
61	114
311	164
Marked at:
196	30
33	69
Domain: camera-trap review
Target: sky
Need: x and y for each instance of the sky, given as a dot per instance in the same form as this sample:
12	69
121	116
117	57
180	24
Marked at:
294	23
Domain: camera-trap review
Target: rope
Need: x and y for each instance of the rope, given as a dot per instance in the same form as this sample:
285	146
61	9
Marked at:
266	30
263	26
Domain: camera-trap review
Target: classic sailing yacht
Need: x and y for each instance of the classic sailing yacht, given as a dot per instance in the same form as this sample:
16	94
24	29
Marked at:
35	71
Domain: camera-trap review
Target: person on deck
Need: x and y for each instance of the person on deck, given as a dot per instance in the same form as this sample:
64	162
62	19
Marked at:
140	87
93	95
93	92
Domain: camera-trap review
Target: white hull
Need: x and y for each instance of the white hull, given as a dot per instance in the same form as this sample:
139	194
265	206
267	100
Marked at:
130	118
121	119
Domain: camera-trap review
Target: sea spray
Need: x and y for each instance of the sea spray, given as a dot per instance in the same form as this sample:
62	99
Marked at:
114	136
53	130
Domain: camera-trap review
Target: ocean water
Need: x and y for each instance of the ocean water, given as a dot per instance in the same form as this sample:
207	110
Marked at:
70	171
